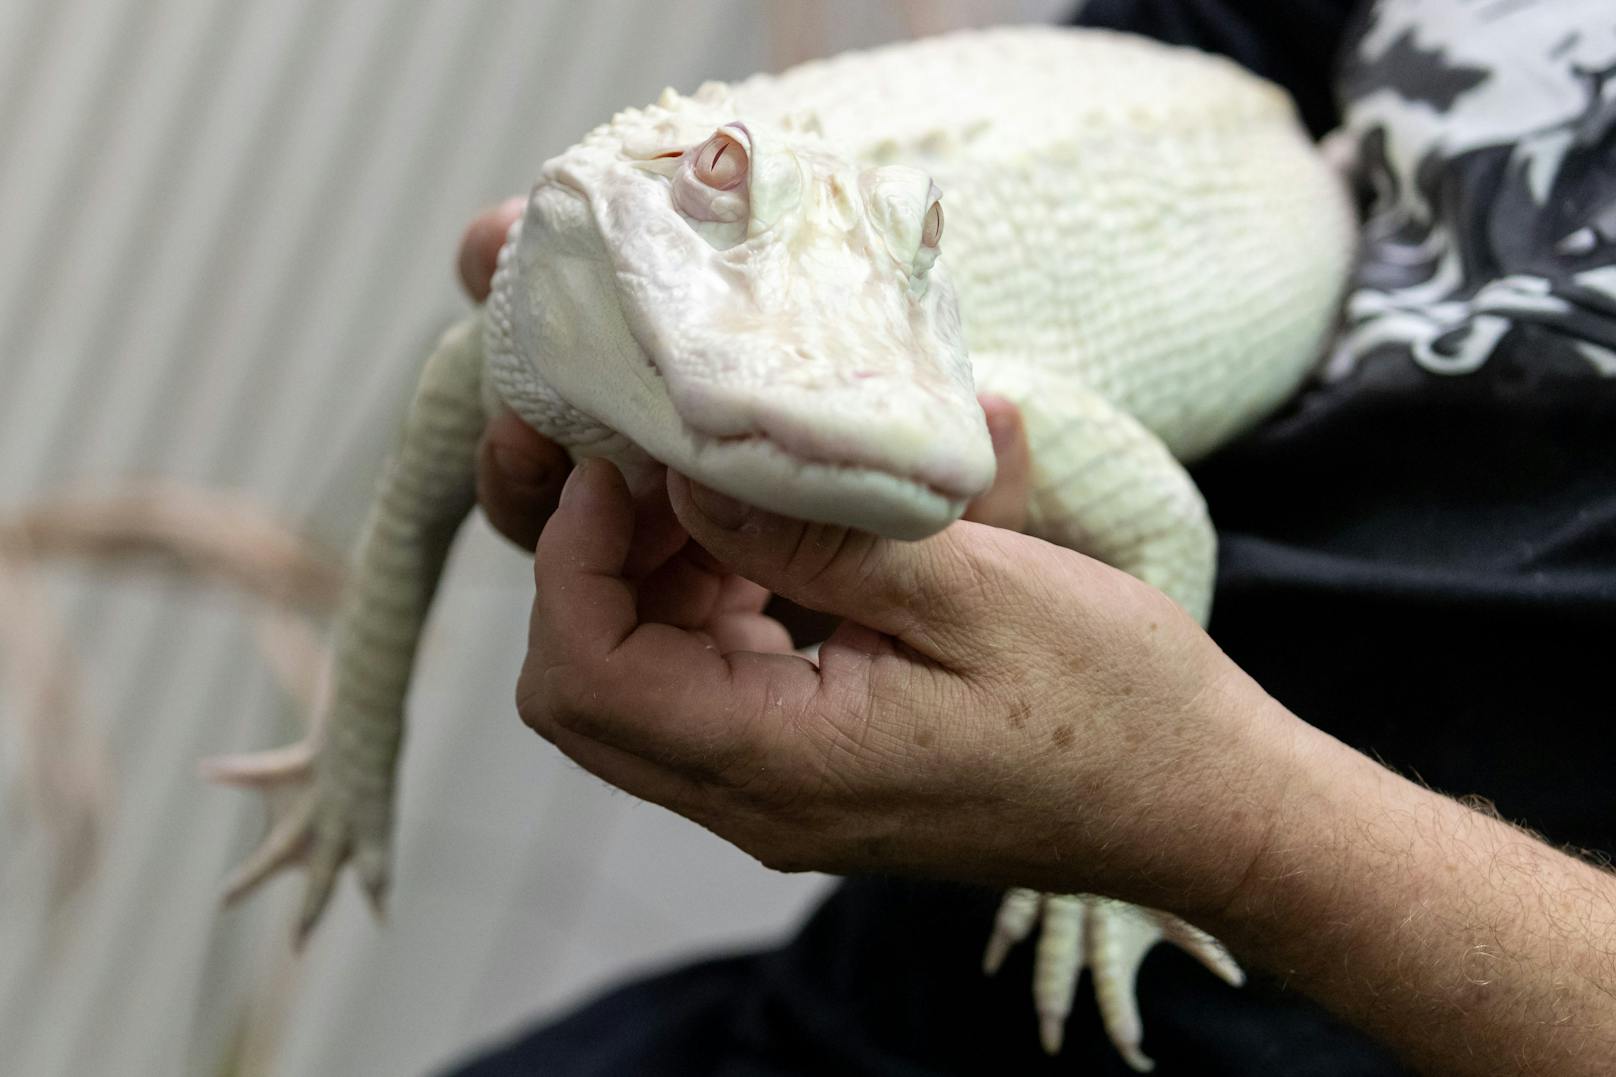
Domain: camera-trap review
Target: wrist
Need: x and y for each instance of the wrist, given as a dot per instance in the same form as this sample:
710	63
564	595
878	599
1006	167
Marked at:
1185	834
1292	870
1465	943
1243	796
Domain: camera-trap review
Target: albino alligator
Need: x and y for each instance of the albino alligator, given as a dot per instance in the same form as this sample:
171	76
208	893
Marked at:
1144	252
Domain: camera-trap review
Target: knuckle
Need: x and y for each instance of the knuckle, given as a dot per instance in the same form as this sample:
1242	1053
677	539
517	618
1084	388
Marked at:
558	696
823	555
532	703
786	861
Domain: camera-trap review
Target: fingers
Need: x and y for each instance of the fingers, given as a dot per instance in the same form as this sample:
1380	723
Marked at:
658	535
728	608
687	593
479	248
519	478
1005	505
926	593
657	691
749	632
580	566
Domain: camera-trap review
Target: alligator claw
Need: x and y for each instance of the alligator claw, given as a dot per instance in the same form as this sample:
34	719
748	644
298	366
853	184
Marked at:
308	825
1111	938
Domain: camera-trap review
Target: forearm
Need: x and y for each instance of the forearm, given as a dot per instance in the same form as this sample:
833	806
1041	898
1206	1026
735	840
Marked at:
1464	943
1025	730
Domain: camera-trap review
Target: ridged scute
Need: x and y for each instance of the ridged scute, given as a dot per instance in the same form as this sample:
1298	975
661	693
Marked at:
512	377
1147	221
1150	222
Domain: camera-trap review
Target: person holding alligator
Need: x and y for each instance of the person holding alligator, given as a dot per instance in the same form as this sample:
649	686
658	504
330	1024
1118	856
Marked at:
1417	559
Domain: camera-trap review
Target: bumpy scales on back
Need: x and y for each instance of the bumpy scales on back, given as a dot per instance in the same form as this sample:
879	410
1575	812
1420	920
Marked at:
749	285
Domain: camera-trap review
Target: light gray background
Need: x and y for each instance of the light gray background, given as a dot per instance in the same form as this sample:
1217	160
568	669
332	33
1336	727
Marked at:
226	242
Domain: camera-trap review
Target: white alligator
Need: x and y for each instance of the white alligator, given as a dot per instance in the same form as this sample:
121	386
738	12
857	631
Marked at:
1144	252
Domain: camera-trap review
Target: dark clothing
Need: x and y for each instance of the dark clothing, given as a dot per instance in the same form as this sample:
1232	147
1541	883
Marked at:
886	981
1417	555
1291	42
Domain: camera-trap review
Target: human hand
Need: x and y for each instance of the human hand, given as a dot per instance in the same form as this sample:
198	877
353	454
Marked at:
520	472
994	708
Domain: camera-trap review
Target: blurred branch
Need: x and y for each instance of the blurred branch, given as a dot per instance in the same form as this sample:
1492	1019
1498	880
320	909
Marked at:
222	536
217	537
66	776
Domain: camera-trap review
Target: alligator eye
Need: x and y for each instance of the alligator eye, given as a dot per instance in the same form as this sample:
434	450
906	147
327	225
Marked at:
721	162
931	232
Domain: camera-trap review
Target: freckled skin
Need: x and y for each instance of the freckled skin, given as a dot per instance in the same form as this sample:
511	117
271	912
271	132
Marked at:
1018	717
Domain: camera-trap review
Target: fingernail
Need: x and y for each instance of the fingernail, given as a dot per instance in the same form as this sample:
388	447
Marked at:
721	509
519	468
576	478
1001	426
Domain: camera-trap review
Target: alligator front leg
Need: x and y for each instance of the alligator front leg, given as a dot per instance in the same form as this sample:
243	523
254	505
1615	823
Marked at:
1106	486
331	795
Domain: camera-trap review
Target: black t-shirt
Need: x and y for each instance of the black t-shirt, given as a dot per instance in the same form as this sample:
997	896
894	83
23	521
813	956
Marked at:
1417	555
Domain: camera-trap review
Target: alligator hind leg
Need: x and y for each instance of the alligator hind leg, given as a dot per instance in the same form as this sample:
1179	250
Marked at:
331	795
1105	485
1108	937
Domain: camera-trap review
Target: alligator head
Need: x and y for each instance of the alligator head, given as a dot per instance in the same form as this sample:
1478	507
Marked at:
746	304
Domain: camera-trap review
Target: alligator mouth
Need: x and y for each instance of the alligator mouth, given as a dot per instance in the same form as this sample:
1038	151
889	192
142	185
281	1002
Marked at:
764	442
759	471
805	451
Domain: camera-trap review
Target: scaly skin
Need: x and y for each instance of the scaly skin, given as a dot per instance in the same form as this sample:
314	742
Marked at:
331	795
1143	252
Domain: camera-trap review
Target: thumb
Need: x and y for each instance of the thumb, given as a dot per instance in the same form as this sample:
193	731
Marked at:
519	477
926	593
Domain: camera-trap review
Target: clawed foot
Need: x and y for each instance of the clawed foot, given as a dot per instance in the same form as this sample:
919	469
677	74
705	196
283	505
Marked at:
1111	938
310	823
